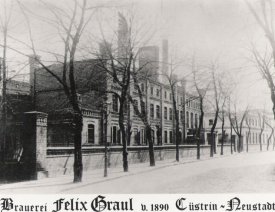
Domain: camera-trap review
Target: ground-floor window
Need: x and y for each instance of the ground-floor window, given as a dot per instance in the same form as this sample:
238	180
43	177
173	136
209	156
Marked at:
171	136
115	135
165	137
91	133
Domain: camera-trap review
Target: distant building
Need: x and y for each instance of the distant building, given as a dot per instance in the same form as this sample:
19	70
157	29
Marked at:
252	126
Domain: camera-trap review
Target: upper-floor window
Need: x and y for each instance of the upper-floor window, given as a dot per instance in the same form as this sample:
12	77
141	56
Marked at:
165	113
135	106
115	103
152	91
142	87
196	121
181	115
170	96
211	122
151	110
192	120
165	94
79	97
170	114
158	111
158	92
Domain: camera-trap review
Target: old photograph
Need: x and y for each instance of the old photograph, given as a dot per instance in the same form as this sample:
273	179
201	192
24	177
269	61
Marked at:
137	96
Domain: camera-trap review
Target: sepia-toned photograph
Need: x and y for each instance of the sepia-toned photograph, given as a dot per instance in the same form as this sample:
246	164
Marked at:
137	97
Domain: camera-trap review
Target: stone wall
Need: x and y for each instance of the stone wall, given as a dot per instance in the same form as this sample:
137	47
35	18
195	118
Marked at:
59	161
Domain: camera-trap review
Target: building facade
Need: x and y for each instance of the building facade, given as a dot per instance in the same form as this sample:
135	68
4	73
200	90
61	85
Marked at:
258	126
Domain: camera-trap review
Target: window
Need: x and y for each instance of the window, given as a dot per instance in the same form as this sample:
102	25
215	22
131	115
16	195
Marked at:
181	100
196	121
170	114
187	119
211	122
79	97
192	120
171	136
115	103
152	111
91	133
170	96
152	91
181	115
135	105
165	113
142	87
136	136
114	134
142	136
158	111
165	94
165	137
143	107
158	92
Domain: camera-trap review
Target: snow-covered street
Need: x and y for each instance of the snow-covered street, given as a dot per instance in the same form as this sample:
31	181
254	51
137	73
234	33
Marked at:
241	173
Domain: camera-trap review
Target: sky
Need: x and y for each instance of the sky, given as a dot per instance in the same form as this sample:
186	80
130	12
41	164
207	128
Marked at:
212	30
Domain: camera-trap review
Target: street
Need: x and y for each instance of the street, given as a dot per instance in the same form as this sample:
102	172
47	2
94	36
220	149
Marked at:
240	173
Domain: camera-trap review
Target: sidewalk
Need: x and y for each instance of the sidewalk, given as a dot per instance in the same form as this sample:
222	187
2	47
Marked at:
64	183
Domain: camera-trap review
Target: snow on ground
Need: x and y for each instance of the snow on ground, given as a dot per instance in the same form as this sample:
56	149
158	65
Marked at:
240	173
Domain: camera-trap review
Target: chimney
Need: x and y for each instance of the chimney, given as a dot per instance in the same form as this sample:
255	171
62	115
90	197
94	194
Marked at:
165	55
34	65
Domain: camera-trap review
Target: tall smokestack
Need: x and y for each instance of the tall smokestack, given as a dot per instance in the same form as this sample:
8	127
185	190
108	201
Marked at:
34	64
165	55
123	37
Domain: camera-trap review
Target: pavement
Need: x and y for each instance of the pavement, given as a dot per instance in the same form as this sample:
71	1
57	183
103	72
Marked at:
245	172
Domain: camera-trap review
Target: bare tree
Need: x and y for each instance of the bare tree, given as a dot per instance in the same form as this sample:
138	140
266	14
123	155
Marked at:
217	98
70	26
173	81
266	63
118	65
271	134
222	118
5	22
248	133
201	89
237	120
262	122
142	112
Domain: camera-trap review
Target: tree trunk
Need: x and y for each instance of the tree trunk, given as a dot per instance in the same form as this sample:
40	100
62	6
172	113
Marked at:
239	147
123	135
151	145
176	116
231	141
212	144
260	141
248	136
78	166
198	148
222	137
177	141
